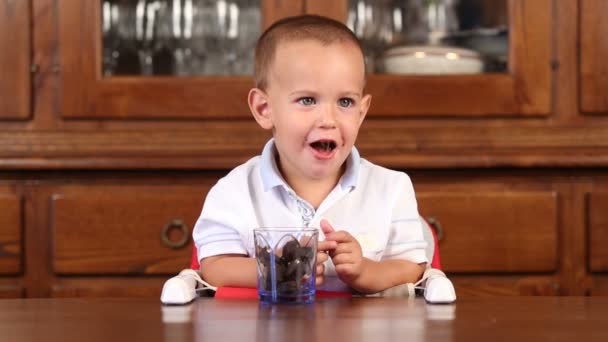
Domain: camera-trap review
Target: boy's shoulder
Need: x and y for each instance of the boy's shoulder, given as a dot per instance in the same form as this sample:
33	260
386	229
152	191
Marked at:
241	174
377	173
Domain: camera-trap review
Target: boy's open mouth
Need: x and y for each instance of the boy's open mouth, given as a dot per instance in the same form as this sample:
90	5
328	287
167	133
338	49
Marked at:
324	146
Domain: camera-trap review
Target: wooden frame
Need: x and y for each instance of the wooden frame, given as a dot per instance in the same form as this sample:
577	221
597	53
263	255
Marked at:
524	90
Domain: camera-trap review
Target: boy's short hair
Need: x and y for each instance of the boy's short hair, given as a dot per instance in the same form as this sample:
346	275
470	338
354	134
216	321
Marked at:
303	27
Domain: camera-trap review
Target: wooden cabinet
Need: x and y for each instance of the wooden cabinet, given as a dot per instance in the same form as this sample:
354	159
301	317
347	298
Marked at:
524	90
594	53
15	59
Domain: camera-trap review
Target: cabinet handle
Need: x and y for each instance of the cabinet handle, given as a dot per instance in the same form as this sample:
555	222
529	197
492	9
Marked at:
437	226
177	224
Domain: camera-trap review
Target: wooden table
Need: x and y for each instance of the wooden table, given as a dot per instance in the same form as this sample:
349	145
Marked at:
362	319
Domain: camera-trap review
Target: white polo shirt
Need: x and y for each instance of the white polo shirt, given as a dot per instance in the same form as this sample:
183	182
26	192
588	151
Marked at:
374	204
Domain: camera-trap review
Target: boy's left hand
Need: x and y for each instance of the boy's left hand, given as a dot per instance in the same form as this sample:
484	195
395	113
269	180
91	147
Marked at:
347	256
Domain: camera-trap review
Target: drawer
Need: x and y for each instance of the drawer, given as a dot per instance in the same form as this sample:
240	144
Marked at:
495	231
10	233
124	229
597	218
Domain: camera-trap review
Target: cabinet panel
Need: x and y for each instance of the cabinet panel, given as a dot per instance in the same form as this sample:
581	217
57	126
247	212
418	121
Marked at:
593	55
123	229
598	232
10	233
495	231
15	59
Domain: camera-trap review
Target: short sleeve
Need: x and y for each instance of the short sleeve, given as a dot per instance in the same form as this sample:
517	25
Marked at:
406	239
215	232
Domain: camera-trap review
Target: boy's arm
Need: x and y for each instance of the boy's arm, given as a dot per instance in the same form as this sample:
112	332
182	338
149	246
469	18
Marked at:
234	270
381	275
363	274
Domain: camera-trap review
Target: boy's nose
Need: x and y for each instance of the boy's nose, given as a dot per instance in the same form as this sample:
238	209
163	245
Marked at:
328	117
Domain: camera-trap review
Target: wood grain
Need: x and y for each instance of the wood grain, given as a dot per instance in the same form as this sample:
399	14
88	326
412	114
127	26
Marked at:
495	232
15	59
594	52
11	214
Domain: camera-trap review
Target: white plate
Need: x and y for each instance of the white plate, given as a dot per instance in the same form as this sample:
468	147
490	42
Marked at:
431	60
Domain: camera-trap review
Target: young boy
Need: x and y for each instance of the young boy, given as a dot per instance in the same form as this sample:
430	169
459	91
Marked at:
310	75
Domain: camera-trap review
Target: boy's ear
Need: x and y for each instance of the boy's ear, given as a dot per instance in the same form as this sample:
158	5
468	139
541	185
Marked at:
365	103
258	104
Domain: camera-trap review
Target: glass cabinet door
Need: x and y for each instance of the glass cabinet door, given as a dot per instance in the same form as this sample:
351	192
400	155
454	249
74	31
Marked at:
453	57
193	58
161	58
15	60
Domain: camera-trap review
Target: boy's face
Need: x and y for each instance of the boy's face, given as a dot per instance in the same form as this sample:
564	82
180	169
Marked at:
315	105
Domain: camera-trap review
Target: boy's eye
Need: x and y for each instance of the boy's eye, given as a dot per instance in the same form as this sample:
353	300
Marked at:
345	102
307	101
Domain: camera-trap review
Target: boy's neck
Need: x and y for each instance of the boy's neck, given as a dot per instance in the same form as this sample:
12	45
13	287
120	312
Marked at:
312	190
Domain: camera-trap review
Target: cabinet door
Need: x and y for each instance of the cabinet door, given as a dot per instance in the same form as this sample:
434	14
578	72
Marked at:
495	232
495	242
123	230
15	59
87	93
524	89
594	54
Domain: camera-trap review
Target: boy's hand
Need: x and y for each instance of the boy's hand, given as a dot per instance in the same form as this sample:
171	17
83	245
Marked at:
347	256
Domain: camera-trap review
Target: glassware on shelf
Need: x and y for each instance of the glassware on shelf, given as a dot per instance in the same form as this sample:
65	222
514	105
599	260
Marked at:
179	37
453	36
120	54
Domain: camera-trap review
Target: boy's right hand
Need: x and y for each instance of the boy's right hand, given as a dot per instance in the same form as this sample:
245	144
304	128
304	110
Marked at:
323	248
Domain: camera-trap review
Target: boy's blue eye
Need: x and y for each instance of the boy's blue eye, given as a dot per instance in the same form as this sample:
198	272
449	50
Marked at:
346	102
307	101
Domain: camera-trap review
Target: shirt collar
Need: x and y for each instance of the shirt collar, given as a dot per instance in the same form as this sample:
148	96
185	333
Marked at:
271	177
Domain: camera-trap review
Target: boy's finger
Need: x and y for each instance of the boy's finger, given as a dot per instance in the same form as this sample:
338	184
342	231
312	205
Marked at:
347	247
339	236
326	245
345	258
321	257
326	227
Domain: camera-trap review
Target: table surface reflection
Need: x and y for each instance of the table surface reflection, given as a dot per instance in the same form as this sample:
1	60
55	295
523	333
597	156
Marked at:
357	319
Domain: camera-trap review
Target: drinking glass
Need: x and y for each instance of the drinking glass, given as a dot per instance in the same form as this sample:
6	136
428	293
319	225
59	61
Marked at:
286	264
